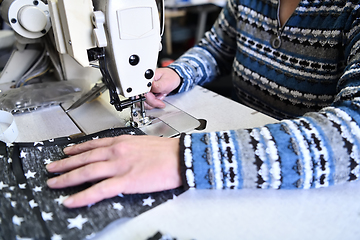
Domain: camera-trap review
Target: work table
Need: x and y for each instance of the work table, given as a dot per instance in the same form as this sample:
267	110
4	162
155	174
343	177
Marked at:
328	213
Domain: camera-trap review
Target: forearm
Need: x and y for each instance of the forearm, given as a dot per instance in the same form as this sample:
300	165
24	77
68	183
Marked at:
318	150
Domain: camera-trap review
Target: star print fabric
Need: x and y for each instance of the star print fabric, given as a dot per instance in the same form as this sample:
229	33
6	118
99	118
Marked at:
31	210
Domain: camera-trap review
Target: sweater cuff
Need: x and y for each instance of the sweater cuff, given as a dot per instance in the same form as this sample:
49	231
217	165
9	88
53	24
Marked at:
186	166
184	83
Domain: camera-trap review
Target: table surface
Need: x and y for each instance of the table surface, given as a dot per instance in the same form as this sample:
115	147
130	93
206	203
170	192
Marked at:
328	213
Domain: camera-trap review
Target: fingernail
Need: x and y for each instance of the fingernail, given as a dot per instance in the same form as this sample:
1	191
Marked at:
51	182
67	149
51	166
162	105
68	201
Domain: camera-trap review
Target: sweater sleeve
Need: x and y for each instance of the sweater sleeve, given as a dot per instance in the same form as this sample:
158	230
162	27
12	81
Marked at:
319	149
212	56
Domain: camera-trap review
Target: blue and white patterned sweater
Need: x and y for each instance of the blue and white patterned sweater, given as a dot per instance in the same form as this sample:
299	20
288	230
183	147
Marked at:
311	80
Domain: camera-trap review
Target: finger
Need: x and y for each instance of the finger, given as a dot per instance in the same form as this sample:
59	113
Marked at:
105	189
147	106
153	101
161	96
76	161
89	173
86	146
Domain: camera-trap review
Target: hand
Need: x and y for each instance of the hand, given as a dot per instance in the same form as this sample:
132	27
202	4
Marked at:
124	164
165	81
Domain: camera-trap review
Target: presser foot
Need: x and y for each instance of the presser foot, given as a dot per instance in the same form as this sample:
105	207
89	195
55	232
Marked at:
138	118
139	123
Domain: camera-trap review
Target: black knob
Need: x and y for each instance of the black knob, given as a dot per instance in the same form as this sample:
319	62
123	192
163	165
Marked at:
134	60
149	74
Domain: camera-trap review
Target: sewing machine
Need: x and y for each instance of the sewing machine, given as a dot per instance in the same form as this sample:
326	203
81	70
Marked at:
116	41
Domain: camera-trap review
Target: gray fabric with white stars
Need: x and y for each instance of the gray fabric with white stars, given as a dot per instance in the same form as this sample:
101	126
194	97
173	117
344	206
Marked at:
42	215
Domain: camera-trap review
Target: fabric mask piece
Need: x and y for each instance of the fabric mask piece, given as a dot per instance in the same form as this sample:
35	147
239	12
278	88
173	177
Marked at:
31	210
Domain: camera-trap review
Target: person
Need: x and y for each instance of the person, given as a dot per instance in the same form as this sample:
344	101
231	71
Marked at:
296	60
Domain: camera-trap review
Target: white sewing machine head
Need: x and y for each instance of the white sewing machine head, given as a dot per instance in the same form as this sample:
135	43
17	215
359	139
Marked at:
120	37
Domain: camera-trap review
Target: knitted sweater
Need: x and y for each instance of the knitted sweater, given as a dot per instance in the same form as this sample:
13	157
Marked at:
306	73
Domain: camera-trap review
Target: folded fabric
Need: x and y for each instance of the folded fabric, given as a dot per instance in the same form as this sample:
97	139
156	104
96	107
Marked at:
31	210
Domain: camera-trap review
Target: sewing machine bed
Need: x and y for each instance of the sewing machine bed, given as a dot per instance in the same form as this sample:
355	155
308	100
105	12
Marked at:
96	115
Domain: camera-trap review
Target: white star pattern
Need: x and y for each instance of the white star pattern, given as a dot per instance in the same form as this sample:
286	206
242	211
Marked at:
118	206
95	138
30	174
13	204
76	222
23	154
38	143
17	220
120	195
8	195
33	204
10	160
37	189
3	185
47	161
56	237
51	140
90	236
132	133
47	216
40	148
61	199
22	186
149	201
